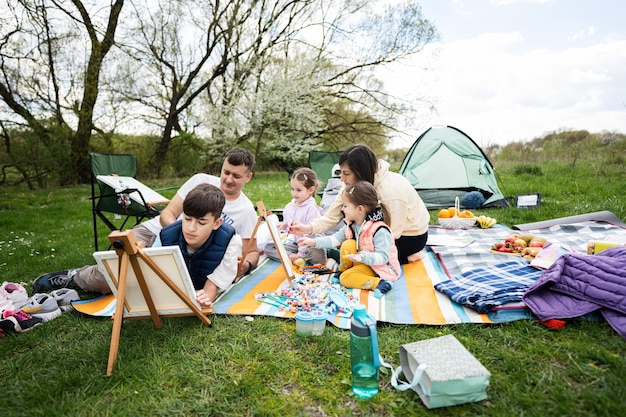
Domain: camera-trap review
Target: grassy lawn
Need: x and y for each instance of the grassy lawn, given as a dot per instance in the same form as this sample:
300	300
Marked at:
260	367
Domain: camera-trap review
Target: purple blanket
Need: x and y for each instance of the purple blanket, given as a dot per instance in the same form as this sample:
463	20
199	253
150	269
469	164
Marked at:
578	284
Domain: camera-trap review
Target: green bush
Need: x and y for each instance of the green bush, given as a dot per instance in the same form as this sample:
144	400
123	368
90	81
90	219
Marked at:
530	169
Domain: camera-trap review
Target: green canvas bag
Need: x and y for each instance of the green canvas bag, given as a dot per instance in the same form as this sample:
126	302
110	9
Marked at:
442	372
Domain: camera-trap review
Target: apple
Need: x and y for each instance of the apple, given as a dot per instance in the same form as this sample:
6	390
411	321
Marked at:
535	244
512	238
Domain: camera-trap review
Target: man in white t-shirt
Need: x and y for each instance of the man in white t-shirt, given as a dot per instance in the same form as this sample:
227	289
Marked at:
238	212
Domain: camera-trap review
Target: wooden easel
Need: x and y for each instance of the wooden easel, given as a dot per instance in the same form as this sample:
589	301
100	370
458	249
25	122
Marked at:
285	261
128	250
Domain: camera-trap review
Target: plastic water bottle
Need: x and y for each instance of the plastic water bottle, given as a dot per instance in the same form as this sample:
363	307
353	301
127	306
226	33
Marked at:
364	353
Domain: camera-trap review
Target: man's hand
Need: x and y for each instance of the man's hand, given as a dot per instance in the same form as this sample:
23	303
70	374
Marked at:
244	268
204	299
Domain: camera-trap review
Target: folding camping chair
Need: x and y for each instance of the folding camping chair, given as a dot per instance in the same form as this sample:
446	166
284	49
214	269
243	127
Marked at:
119	196
322	163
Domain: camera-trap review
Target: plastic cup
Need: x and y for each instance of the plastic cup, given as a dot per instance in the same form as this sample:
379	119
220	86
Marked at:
319	323
304	323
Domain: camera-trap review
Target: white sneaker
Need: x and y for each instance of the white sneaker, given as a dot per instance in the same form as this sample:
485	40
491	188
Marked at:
6	305
43	306
64	297
13	292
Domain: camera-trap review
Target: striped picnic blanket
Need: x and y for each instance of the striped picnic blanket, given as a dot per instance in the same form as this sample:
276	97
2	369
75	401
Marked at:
413	299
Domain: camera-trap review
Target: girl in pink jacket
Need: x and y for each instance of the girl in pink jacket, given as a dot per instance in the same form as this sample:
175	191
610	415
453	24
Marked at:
368	255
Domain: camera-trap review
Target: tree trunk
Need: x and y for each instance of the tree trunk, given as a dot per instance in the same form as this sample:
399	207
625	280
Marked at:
162	147
80	141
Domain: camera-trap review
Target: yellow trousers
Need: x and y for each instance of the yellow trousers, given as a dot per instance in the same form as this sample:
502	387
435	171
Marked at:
355	274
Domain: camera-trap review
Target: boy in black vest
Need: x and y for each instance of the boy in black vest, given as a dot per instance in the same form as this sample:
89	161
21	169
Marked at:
209	246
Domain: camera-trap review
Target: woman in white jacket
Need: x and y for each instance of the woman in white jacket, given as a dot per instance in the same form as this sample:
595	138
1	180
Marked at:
409	215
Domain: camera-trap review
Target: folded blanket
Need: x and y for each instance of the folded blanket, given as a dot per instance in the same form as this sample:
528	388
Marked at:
579	284
491	286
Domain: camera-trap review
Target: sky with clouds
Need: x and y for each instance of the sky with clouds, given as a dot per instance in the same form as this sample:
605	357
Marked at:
513	70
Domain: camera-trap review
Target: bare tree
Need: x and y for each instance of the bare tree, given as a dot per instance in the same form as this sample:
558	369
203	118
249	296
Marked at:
46	80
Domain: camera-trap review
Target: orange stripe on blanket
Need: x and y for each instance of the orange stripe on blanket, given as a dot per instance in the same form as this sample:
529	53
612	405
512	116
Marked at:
424	305
102	306
270	283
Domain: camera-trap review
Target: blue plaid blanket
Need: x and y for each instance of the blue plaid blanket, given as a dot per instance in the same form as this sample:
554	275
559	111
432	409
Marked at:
492	286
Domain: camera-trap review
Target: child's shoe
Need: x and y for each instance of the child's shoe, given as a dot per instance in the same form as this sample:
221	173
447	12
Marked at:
383	288
6	305
54	281
7	326
64	297
43	306
23	322
14	293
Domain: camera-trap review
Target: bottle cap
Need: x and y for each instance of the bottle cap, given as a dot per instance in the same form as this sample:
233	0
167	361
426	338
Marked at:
360	312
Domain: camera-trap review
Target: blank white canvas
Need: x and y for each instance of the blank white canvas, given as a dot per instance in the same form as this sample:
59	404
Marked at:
170	260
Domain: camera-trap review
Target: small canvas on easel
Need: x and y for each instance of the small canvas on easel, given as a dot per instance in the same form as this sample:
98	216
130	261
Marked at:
146	283
284	256
278	243
169	260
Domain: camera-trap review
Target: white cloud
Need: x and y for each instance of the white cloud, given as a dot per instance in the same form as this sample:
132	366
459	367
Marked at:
580	76
486	87
583	34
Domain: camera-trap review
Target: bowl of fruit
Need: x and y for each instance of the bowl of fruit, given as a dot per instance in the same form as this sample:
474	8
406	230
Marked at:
526	245
455	218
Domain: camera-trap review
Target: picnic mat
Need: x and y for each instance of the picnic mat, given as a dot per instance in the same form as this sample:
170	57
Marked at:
457	259
102	306
413	300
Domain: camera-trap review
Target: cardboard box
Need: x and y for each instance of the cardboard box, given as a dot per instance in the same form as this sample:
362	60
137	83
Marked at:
452	375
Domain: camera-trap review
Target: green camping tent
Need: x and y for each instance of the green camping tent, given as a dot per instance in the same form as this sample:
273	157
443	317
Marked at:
444	163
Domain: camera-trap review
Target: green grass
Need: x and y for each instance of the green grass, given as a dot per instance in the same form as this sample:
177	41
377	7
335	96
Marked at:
243	368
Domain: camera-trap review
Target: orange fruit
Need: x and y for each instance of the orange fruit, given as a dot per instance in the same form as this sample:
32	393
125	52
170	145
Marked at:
452	211
466	214
443	213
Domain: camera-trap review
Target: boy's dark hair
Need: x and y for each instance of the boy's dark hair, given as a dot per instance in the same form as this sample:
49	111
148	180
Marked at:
240	156
306	176
364	194
361	160
204	199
